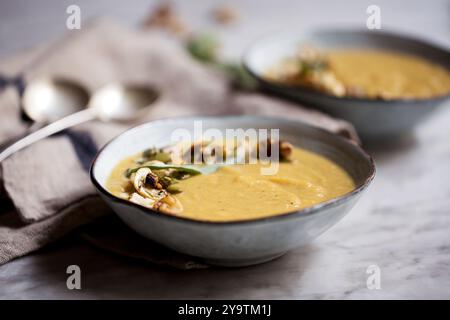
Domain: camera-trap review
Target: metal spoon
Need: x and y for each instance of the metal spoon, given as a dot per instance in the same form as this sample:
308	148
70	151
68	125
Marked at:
46	100
49	102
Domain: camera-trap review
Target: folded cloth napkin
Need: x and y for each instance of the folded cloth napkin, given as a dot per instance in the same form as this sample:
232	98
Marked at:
47	184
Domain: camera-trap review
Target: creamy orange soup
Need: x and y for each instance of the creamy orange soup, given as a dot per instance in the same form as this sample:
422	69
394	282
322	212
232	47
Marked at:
389	74
240	192
364	73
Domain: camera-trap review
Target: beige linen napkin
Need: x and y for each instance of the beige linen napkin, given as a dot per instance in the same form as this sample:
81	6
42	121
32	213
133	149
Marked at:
48	183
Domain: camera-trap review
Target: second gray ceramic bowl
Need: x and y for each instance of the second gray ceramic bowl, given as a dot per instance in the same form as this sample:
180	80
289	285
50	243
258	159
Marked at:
234	243
373	119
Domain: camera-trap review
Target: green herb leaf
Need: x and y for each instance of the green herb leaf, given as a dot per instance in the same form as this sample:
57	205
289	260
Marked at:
203	47
174	189
240	78
307	66
184	169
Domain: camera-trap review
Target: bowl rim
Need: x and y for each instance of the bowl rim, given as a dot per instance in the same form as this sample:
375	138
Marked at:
315	209
394	34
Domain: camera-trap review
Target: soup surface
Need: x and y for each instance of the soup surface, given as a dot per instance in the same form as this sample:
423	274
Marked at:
240	192
389	74
366	73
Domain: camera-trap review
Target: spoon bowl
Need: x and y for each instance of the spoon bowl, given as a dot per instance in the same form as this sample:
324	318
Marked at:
48	100
122	103
110	103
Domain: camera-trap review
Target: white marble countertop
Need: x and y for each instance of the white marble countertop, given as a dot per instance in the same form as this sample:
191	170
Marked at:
402	223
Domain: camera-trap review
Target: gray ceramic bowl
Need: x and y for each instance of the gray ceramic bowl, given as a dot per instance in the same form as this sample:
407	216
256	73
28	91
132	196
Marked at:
234	243
373	119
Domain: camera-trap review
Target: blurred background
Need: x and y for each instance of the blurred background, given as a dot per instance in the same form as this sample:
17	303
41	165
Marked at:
24	23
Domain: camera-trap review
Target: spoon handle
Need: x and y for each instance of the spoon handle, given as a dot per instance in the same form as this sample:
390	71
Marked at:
57	126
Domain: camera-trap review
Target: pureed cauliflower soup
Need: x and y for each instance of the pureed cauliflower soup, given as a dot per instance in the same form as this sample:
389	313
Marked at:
156	180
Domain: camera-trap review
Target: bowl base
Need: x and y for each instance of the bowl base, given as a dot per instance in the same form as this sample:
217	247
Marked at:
232	263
